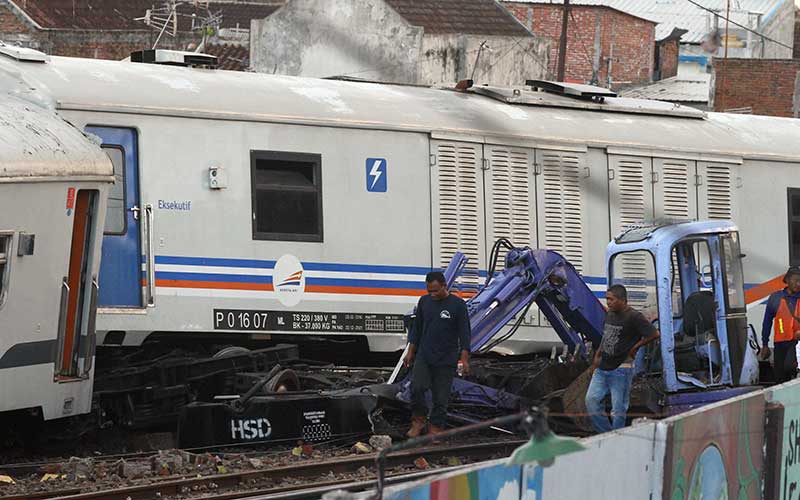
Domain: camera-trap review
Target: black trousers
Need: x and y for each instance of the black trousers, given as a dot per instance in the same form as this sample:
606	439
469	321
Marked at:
436	378
785	361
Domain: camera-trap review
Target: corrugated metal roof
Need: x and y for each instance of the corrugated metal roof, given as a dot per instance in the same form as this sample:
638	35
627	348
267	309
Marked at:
674	89
479	17
681	14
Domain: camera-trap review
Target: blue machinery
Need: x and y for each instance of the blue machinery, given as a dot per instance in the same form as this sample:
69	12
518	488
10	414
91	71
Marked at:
686	276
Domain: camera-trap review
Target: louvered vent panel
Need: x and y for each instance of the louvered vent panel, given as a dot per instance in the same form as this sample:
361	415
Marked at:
676	190
563	225
633	190
718	191
459	216
510	196
632	202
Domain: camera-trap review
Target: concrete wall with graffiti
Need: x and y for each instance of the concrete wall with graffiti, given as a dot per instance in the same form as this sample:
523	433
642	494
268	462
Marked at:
746	447
716	452
623	454
783	453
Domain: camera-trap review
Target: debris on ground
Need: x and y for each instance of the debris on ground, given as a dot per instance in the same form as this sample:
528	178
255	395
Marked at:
380	442
361	448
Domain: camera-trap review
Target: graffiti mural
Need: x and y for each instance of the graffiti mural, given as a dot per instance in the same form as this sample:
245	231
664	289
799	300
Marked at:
716	453
501	482
788	396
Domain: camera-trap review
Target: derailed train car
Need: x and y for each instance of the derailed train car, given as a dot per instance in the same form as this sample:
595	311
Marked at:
260	207
54	183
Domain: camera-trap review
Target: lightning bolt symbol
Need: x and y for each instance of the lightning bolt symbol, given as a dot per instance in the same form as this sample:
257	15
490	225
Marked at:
375	173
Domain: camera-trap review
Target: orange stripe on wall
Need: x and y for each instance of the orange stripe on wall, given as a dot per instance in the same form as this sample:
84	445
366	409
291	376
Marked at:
763	290
364	291
215	285
267	287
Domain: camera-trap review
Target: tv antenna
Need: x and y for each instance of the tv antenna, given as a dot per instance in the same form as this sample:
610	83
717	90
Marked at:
165	19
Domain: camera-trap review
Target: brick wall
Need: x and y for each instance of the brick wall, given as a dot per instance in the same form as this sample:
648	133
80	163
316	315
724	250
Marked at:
667	58
768	86
107	45
13	30
9	23
629	42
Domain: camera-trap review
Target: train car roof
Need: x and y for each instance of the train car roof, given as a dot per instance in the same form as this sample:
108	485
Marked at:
480	114
36	144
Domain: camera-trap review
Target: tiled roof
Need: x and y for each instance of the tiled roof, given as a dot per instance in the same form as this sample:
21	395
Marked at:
241	14
674	89
671	14
479	17
229	56
121	14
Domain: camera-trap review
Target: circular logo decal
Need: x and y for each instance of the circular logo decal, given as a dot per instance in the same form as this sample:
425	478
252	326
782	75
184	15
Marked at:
288	280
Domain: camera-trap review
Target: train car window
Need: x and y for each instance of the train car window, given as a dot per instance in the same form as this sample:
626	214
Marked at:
287	196
5	249
115	213
794	226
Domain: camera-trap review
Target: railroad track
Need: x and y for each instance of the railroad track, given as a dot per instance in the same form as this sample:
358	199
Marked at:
306	480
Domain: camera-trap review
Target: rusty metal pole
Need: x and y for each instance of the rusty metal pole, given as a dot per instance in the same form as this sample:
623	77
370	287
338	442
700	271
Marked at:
562	44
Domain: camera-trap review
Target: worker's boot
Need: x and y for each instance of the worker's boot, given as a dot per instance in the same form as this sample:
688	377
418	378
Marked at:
418	425
433	431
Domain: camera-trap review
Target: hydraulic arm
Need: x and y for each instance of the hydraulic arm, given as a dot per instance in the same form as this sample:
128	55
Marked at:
531	276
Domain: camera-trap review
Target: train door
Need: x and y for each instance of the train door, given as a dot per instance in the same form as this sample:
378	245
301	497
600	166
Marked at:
120	268
76	316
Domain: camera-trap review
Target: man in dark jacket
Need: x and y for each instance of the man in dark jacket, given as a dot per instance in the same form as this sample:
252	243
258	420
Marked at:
625	330
438	339
783	309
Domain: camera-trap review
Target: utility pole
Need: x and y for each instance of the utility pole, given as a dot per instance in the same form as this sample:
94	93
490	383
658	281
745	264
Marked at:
562	44
723	87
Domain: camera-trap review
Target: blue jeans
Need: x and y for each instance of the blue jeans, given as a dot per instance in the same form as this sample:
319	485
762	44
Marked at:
618	383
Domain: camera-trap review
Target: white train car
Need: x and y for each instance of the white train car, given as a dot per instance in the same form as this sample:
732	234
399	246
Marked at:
53	187
271	206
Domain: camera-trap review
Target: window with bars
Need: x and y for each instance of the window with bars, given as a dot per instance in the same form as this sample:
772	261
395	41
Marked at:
5	250
287	196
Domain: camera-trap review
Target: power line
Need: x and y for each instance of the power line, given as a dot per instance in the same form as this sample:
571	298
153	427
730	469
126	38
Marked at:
727	18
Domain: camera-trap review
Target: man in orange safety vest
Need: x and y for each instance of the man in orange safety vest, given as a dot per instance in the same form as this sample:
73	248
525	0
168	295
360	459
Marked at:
783	309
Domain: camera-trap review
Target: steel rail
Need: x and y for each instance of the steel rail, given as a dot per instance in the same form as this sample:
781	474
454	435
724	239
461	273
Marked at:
205	484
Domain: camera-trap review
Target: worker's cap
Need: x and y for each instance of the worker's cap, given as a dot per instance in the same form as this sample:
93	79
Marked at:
793	270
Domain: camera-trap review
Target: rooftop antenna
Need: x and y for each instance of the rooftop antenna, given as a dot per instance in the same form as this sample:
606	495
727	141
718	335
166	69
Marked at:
165	19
